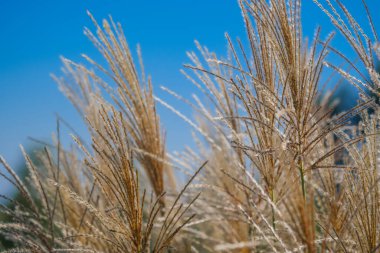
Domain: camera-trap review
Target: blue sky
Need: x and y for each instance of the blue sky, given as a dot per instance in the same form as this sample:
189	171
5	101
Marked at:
33	34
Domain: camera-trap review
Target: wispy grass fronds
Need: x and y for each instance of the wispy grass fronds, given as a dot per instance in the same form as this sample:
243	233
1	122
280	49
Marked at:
363	43
134	98
90	199
284	173
266	102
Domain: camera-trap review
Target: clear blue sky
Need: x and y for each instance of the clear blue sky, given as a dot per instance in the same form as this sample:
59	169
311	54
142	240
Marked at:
33	34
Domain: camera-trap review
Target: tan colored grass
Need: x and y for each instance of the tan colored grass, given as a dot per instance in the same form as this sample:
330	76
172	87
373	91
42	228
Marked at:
283	173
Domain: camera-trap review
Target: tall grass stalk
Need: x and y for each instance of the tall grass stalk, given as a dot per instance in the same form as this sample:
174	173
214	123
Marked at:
274	169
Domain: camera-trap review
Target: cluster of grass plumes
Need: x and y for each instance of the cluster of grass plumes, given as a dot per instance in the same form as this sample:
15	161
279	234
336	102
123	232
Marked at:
283	174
